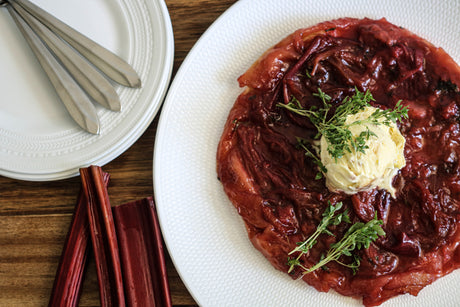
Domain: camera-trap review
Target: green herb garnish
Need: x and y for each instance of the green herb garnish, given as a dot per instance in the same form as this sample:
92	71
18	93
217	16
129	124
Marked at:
328	219
334	127
358	236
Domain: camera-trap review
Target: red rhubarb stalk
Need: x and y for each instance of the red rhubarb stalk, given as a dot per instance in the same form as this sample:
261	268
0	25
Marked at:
142	255
103	237
69	275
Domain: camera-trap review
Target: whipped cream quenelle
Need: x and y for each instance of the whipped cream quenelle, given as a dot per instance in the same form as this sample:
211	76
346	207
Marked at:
356	171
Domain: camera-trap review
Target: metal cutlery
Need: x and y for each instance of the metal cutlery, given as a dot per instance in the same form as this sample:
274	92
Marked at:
70	60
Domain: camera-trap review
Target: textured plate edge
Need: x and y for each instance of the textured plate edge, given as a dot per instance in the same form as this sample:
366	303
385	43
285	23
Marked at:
158	95
161	122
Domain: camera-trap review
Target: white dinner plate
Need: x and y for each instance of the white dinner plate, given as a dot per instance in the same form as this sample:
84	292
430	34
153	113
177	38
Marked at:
204	234
38	138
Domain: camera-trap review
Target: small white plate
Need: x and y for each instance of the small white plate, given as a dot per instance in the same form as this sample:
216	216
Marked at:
205	236
38	138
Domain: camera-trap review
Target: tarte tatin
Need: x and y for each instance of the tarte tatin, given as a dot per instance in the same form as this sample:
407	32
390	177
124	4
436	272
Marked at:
274	185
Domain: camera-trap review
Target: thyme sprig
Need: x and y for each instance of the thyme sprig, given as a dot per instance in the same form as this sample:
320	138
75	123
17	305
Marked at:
359	235
327	220
334	127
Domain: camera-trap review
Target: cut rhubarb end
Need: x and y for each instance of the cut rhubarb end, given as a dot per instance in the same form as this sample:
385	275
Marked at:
69	275
103	237
142	255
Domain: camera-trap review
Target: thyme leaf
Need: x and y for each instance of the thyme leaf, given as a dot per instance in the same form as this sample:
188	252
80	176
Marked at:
358	236
329	218
334	126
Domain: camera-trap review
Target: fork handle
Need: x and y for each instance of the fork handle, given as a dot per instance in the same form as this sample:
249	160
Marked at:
75	100
91	80
109	63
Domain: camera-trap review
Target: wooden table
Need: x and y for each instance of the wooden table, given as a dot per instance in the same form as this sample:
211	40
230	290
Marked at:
35	216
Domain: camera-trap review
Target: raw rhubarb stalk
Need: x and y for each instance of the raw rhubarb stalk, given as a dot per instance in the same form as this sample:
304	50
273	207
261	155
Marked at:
103	237
142	254
69	275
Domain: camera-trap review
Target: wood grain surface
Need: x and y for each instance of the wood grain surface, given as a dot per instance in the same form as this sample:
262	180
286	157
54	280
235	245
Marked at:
35	216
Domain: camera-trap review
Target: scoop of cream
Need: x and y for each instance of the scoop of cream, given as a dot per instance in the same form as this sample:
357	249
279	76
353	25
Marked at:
376	167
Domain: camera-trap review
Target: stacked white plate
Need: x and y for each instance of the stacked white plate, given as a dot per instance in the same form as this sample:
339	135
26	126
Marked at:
38	138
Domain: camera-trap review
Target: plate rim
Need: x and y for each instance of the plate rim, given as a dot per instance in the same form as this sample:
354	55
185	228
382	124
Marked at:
155	96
